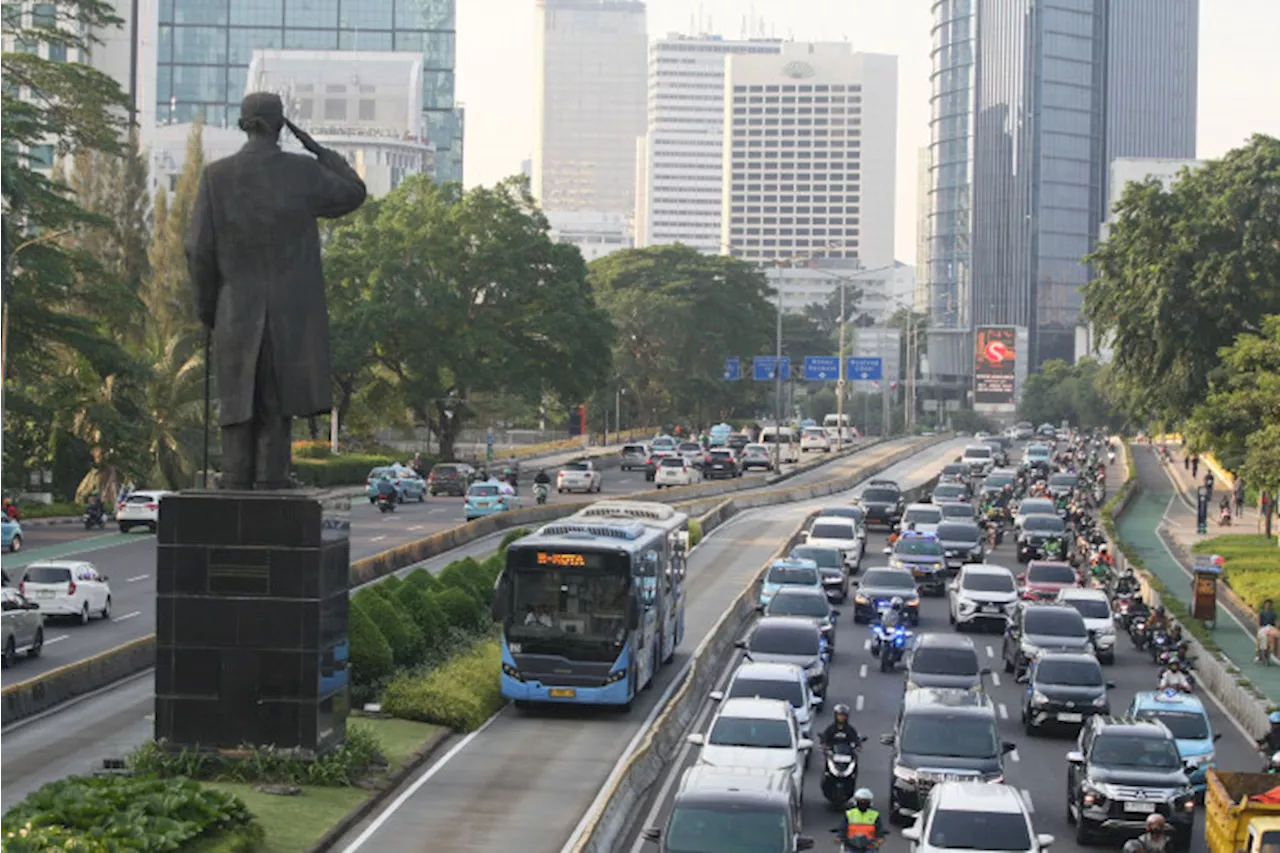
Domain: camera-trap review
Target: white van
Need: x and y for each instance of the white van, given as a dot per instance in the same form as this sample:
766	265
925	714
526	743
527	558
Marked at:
839	428
785	442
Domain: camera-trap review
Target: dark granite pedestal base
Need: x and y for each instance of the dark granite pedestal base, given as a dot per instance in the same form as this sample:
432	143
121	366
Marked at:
251	621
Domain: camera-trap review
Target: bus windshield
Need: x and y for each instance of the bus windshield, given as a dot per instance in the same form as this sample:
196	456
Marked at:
551	605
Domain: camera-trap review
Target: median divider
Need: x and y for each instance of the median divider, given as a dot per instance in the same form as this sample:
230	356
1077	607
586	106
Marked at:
28	698
627	789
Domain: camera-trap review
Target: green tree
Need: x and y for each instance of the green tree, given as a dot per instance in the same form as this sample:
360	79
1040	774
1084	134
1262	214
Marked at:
370	654
1183	272
1069	392
678	314
167	289
464	293
1243	400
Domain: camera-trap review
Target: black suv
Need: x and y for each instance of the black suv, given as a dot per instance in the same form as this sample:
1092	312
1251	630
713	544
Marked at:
883	502
954	734
1063	690
944	660
1122	771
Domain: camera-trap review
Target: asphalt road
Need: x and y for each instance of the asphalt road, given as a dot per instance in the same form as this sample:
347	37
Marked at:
1038	767
73	739
524	782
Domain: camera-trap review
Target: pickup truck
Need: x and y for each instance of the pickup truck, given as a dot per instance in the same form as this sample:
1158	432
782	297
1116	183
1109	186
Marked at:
1233	823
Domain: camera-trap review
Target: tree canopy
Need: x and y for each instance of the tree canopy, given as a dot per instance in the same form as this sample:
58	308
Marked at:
1069	392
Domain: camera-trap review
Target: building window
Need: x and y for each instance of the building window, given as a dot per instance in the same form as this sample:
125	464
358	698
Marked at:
335	109
368	109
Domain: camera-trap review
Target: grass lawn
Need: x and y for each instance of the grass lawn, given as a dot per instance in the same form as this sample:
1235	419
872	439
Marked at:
294	824
1252	565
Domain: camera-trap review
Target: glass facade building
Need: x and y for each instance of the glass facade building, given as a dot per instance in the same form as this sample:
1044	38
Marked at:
1031	100
204	48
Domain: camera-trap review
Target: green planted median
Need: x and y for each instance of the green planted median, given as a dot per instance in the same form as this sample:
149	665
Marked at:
1250	563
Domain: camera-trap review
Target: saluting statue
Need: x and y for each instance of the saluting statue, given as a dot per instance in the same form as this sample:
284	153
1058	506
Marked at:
254	257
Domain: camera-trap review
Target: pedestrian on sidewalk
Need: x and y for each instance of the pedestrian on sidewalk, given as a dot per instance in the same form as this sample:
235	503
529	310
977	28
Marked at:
1186	461
1266	629
1208	483
1237	491
1195	466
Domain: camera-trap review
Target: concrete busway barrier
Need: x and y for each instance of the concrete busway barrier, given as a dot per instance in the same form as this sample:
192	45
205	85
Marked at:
619	804
33	696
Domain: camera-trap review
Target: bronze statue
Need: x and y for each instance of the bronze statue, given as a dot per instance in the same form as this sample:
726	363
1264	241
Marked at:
254	257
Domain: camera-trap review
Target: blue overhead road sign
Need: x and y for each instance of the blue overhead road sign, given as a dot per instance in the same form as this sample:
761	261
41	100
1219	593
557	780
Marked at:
821	368
861	368
763	367
732	368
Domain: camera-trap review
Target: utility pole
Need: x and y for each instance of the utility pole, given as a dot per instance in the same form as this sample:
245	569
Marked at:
777	374
840	384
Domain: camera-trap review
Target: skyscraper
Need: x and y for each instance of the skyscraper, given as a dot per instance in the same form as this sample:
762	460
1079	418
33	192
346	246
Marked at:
1031	100
589	104
204	47
679	161
810	154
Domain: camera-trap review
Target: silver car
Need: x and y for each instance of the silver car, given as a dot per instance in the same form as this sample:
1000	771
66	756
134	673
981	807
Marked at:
635	456
23	626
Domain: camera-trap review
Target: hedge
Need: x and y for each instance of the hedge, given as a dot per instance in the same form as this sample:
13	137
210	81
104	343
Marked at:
407	645
424	612
695	533
370	653
462	694
461	610
422	579
346	470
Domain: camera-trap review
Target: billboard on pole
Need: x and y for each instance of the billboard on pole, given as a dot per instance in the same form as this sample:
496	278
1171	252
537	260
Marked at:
995	366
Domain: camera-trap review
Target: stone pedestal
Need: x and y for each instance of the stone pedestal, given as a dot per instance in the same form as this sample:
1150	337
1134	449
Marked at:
251	621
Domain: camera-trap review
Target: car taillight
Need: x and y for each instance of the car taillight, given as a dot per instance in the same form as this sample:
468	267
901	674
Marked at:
431	478
397	482
153	506
71	587
22	588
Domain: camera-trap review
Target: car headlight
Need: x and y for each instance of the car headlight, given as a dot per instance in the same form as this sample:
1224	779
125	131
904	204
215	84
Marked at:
1200	760
616	676
937	565
1100	702
1104	641
895	562
905	774
1038	698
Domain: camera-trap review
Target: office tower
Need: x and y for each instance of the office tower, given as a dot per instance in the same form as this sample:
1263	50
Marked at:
589	104
203	50
924	222
1031	101
679	161
810	154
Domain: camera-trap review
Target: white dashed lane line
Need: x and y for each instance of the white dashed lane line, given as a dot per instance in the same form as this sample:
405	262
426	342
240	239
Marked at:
136	578
127	616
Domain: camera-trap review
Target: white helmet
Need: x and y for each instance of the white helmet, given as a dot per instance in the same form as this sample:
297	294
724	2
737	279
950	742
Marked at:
897	603
863	794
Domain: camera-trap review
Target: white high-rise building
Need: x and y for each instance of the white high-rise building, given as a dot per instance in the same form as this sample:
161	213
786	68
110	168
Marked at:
810	156
589	104
680	160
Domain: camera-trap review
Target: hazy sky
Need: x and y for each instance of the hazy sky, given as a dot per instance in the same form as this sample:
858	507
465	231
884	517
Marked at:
1239	75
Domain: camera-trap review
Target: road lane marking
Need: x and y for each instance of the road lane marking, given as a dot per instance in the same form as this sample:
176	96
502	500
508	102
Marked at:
995	679
866	645
137	578
417	527
859	702
1015	756
127	616
990	652
57	639
1026	798
1004	711
377	538
862	671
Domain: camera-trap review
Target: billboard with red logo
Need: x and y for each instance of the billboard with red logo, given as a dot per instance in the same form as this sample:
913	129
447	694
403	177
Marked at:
994	368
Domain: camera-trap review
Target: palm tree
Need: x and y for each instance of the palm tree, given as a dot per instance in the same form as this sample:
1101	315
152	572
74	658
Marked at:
175	406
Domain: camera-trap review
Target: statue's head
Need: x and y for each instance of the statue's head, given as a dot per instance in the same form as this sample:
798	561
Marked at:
262	114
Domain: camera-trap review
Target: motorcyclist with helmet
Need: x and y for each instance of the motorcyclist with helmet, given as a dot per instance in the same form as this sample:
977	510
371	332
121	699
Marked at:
862	821
1270	742
1156	838
840	729
892	615
1174	678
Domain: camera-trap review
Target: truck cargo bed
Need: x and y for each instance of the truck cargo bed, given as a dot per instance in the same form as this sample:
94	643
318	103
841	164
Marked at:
1228	809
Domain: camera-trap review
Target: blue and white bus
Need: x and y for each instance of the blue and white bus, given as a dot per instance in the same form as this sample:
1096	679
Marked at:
591	605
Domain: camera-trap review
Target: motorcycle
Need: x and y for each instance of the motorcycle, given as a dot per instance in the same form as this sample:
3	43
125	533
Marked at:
857	844
540	492
95	517
889	644
1138	633
387	503
840	777
1271	763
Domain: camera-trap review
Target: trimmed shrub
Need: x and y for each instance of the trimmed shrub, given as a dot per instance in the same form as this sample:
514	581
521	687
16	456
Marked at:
346	470
312	450
512	535
462	694
464	574
461	610
492	567
407	645
424	612
370	653
422	579
695	532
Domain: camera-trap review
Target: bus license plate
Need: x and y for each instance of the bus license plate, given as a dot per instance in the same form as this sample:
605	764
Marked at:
562	693
1140	808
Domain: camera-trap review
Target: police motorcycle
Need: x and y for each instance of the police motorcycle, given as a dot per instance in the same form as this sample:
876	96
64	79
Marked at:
890	635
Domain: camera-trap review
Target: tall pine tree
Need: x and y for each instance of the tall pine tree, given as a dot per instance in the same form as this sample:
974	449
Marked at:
167	292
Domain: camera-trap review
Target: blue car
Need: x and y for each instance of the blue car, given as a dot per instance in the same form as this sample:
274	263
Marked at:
490	498
408	485
12	534
1184	715
789	572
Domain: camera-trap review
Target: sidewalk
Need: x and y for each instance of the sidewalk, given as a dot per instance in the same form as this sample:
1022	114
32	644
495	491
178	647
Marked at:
1158	503
1249	522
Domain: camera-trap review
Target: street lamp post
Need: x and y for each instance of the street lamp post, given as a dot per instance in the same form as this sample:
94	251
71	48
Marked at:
777	374
841	381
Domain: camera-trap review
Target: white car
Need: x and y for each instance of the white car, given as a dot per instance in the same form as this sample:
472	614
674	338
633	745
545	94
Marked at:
1095	607
67	588
833	531
925	517
975	816
982	595
749	732
979	458
815	438
676	471
140	509
784	681
581	476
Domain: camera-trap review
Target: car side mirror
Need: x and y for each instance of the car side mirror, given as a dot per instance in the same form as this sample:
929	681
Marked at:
986	670
741	644
835	614
804	744
103	578
1008	746
1075	756
815	701
717	695
1044	840
1111	685
696	739
804	536
500	608
759	608
1217	736
654	834
887	740
912	834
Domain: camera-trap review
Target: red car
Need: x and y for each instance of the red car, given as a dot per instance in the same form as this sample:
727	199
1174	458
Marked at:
1043	579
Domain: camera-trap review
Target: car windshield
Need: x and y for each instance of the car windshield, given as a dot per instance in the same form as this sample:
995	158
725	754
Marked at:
376	474
47	574
880	496
956	510
788	691
880	578
445	469
999	480
1123	751
823	530
722	454
958	533
1184	725
923	515
798	575
785	640
971	830
815	432
1091	608
1055	622
483	491
1036	507
977	453
1051	573
577	466
756	449
936	660
826	558
731	829
690	447
955	470
1064	480
1071	673
799	604
983	582
841	512
751	732
912	546
1044	524
672	462
947	490
949	736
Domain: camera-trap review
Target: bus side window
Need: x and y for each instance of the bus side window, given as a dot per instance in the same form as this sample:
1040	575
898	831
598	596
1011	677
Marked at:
649	577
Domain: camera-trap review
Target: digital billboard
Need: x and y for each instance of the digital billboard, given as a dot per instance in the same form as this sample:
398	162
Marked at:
994	378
